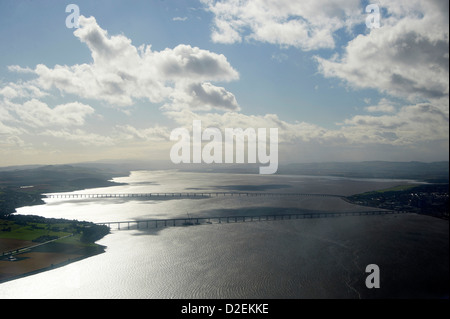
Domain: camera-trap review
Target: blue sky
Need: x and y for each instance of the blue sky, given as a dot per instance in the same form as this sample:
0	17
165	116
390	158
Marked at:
336	89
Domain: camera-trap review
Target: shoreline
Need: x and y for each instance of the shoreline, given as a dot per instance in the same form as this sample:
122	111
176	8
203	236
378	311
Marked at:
50	254
64	258
65	261
31	244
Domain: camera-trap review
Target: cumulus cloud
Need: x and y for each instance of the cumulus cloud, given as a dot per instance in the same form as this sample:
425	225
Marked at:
407	57
289	132
8	131
307	25
121	73
65	122
35	113
25	121
19	69
202	97
411	124
38	114
80	136
191	63
157	133
384	106
21	90
211	95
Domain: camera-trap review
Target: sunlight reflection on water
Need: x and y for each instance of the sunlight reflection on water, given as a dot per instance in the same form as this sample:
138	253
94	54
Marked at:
283	259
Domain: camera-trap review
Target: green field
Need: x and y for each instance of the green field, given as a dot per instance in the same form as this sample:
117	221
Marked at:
39	229
32	231
36	244
397	188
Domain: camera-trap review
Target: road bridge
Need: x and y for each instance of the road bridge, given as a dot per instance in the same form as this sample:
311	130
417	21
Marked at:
189	221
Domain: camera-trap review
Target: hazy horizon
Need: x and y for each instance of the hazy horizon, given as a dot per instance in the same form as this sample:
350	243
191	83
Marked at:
169	163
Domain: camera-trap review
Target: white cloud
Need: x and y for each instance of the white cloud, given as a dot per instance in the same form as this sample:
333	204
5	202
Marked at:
411	124
308	25
407	57
8	130
121	73
19	69
36	114
191	63
384	106
289	132
21	90
202	96
21	123
157	133
80	136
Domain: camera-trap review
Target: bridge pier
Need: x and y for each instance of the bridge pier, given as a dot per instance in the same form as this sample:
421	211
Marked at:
244	218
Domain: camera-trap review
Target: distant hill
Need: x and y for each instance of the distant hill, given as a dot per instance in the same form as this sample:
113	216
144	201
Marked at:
56	178
432	172
90	173
23	187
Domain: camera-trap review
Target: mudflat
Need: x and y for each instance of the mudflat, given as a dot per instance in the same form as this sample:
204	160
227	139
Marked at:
40	258
31	262
8	244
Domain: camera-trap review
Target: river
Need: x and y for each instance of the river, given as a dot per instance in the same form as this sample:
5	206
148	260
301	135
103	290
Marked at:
307	258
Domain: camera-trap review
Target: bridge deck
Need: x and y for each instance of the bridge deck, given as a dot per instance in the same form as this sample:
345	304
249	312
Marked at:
182	195
158	223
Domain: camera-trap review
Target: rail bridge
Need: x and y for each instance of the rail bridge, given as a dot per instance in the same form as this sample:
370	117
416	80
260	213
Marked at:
189	221
181	195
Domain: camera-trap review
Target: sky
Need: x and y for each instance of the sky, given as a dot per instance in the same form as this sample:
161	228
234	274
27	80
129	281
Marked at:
336	86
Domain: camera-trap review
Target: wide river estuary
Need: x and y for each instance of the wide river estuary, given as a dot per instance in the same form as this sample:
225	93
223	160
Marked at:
290	258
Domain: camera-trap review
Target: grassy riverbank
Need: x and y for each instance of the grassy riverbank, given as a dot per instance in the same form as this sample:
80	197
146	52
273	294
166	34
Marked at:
29	244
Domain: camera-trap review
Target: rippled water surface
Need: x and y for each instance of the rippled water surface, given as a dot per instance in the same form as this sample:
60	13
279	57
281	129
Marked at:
315	258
